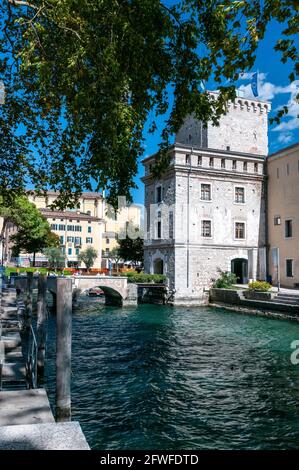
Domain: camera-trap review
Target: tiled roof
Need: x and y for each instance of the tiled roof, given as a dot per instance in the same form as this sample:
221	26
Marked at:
87	195
68	215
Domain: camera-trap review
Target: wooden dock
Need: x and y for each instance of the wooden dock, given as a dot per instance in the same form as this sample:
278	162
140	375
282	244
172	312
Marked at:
26	419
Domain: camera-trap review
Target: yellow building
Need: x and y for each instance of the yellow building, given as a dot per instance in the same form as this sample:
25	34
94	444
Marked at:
283	215
92	223
99	223
76	231
77	228
116	223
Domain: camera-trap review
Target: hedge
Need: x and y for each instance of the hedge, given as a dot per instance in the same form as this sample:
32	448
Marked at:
144	278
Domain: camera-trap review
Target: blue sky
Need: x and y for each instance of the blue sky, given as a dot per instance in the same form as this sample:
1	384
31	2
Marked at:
273	85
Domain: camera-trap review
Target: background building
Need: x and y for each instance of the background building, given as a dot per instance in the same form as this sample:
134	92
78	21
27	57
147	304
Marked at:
91	223
208	210
116	224
283	214
77	228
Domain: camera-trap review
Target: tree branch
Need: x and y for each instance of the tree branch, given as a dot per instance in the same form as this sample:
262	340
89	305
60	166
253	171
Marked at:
22	3
170	11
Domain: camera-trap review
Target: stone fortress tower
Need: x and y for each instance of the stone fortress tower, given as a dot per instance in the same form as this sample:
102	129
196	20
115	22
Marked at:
207	212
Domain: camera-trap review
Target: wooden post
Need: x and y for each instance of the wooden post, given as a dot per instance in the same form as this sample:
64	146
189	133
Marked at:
41	324
63	349
28	299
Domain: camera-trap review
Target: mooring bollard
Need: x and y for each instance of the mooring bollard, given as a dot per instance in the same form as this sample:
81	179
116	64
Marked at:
41	324
63	349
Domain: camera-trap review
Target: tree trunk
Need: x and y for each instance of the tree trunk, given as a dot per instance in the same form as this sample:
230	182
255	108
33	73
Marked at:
33	261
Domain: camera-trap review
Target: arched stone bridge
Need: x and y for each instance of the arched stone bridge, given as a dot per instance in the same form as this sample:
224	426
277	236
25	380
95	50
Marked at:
117	290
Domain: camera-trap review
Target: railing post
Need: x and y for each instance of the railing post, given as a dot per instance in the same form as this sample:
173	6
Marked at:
28	299
63	349
2	355
41	324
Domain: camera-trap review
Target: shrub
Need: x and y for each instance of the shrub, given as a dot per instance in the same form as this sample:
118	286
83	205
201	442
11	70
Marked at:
225	280
145	278
261	286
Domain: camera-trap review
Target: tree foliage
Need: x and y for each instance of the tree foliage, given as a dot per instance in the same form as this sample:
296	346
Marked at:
82	77
56	259
88	257
115	256
33	230
131	249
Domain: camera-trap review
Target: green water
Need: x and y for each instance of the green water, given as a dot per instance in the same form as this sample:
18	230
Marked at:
182	378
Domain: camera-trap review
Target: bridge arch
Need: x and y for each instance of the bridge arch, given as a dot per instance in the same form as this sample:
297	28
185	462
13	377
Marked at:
112	296
116	288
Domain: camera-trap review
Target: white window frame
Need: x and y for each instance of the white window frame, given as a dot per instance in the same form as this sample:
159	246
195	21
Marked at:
243	187
201	222
245	228
211	194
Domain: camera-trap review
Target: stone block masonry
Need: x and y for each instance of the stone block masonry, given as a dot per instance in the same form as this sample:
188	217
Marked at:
207	212
242	129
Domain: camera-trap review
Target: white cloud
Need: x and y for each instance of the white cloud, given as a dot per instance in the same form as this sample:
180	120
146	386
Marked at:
291	121
267	91
285	138
289	125
248	76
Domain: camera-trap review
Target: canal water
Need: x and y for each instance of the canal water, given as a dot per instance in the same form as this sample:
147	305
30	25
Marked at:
152	377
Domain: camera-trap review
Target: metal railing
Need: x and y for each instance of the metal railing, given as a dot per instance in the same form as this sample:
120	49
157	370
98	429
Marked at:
32	360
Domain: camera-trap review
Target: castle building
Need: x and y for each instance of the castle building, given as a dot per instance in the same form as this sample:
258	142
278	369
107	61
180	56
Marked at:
207	212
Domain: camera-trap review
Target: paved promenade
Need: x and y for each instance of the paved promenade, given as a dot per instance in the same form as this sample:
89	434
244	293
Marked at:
26	419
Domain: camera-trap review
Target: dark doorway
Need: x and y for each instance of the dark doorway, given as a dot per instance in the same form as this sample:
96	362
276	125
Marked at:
239	266
158	266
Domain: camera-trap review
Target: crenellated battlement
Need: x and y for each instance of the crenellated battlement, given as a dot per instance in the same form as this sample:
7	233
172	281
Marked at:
244	128
247	104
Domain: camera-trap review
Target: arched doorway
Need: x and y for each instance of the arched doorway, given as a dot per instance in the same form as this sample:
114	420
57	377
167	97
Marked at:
239	266
158	266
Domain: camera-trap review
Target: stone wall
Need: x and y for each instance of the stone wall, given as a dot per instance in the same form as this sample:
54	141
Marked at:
232	297
225	295
152	294
243	129
204	266
222	210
